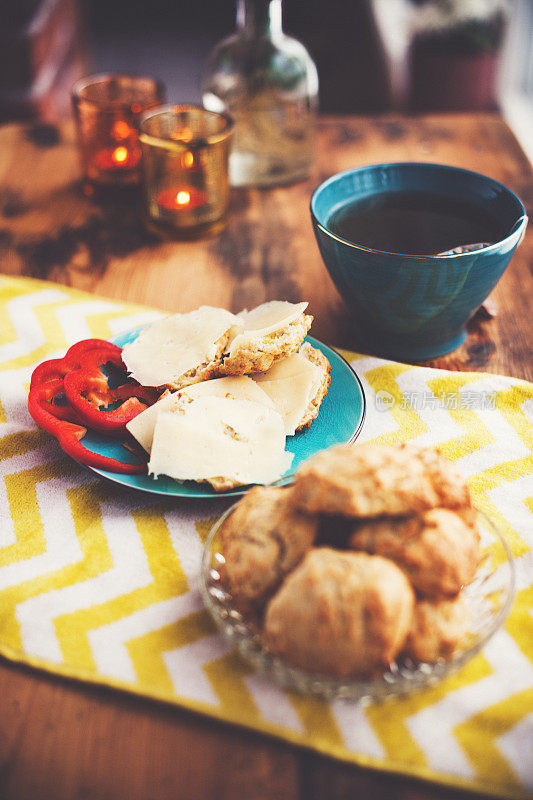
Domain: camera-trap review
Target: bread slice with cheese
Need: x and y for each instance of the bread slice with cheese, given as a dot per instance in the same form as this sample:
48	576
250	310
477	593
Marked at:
181	349
142	426
319	360
221	441
272	331
297	385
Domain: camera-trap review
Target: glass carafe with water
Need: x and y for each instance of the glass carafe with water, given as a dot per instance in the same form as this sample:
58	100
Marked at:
268	82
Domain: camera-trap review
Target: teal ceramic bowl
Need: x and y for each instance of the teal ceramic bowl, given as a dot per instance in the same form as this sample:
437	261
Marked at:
406	306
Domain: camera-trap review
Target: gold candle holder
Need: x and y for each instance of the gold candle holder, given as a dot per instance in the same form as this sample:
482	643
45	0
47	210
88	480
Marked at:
107	109
185	164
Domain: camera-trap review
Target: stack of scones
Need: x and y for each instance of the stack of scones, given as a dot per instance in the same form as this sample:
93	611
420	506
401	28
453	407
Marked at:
358	563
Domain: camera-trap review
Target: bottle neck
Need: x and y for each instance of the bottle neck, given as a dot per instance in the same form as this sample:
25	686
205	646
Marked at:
259	17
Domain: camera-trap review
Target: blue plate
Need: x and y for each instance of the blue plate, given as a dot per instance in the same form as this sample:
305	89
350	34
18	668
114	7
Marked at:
339	422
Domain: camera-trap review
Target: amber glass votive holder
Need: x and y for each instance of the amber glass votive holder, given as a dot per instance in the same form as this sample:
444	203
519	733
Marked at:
107	109
185	163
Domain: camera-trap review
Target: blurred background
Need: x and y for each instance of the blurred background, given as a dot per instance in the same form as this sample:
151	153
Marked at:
372	56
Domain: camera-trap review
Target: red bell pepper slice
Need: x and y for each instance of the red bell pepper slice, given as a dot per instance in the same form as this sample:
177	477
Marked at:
88	393
56	368
62	411
68	434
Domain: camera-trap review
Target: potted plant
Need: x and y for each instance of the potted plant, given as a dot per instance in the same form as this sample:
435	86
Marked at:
454	53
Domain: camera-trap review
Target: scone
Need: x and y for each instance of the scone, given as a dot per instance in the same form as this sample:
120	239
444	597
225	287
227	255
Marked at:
270	332
320	361
438	550
181	349
340	614
371	481
297	386
262	540
437	629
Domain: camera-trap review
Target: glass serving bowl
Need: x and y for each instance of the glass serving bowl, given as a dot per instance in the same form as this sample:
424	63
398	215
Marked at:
489	597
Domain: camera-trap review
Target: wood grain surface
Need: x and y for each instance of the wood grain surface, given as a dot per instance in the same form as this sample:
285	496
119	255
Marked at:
64	741
49	230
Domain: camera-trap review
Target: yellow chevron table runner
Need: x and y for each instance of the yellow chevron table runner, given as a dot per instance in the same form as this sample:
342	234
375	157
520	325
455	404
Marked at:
99	583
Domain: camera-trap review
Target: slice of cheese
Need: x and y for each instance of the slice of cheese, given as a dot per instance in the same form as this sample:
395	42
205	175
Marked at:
142	426
264	320
241	388
166	350
220	437
291	384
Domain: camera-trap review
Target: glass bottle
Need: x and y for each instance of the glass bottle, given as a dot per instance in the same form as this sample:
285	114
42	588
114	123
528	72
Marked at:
268	82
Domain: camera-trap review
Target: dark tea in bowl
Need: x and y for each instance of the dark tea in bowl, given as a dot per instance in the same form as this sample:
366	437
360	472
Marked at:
415	223
414	249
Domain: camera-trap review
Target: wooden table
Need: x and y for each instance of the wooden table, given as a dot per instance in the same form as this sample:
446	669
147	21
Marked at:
66	741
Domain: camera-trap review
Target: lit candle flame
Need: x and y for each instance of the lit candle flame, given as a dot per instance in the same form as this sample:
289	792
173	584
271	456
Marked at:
182	198
121	129
120	154
187	159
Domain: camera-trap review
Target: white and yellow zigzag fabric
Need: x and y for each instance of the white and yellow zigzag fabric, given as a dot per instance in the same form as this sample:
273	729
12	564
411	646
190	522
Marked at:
100	584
